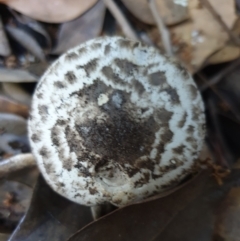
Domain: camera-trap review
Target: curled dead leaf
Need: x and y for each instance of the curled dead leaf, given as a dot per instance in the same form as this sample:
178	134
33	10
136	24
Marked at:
172	11
55	11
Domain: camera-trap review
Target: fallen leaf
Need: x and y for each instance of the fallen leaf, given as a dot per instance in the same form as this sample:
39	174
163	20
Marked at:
228	53
51	217
172	11
27	41
4	45
16	75
83	28
187	214
227	223
203	35
54	11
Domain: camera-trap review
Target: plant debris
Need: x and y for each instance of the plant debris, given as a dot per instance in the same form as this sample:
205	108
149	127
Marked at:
204	35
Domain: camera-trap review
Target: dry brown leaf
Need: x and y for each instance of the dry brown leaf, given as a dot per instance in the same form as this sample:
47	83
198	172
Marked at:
227	53
54	11
79	30
227	225
172	11
203	35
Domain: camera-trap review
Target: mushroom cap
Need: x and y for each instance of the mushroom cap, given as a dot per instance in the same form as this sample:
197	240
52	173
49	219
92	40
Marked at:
113	120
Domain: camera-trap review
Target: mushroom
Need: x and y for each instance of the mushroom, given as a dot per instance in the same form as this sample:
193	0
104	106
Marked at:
116	121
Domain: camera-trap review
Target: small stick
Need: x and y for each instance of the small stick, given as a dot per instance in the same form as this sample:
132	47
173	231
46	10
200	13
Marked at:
16	163
166	40
116	12
210	8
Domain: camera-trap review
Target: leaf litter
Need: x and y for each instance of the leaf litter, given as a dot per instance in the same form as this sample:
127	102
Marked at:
81	29
34	36
171	11
50	216
194	206
14	201
51	11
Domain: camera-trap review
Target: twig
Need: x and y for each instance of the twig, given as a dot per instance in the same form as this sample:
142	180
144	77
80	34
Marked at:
116	12
210	8
161	27
221	74
16	163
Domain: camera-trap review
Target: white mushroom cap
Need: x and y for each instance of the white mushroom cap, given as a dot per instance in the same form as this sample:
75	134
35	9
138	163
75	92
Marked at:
115	121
